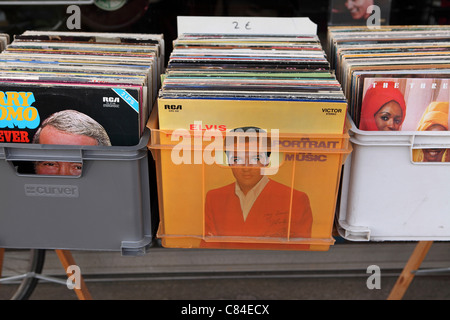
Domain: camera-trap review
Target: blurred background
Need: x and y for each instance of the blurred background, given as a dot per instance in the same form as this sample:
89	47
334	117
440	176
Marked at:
159	16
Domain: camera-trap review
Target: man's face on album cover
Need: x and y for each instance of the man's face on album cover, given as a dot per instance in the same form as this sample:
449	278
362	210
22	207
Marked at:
51	135
246	167
358	8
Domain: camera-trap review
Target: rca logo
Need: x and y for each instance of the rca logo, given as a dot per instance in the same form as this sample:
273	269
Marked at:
111	99
173	107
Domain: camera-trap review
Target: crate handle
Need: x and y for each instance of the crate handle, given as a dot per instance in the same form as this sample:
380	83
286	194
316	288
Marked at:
52	162
429	153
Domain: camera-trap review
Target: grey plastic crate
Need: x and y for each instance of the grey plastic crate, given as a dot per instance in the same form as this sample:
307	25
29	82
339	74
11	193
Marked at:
106	208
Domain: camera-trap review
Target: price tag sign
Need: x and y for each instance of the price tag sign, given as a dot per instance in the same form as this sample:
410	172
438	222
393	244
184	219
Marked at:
246	25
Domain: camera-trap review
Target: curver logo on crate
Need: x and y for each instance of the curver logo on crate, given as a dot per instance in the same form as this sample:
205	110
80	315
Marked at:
49	190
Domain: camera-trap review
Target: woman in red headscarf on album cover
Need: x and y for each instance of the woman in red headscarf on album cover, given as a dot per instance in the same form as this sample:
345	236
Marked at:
383	108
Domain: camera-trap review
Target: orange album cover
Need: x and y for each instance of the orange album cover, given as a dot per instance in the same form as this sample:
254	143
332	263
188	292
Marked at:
240	183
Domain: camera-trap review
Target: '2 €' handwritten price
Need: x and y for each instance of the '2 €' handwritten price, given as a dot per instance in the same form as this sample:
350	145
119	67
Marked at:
238	25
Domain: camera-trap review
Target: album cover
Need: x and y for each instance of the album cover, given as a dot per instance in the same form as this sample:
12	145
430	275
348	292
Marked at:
106	37
113	110
81	69
357	13
398	104
126	67
93	55
288	116
360	53
291	208
278	87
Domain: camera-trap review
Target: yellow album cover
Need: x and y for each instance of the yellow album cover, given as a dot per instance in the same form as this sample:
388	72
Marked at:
288	116
240	184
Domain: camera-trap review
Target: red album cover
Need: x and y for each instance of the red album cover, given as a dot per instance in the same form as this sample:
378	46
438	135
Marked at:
408	104
398	104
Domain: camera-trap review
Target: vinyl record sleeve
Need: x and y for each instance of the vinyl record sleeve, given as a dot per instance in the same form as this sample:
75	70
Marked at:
104	64
87	69
25	106
105	37
418	93
287	116
92	50
204	193
215	84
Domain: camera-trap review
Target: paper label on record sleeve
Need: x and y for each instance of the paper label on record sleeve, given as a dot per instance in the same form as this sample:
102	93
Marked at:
246	25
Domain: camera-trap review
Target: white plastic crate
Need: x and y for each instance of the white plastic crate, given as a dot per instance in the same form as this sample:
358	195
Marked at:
385	195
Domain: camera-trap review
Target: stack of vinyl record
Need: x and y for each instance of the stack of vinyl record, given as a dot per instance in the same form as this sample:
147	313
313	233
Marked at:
396	79
280	87
406	66
248	70
111	78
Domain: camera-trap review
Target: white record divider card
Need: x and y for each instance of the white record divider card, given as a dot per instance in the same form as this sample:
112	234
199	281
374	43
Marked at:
246	25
